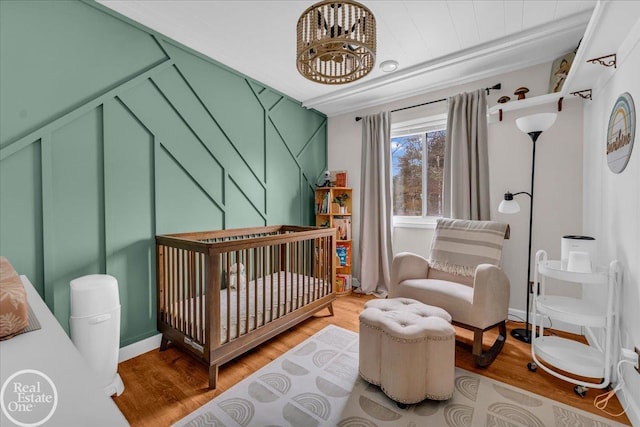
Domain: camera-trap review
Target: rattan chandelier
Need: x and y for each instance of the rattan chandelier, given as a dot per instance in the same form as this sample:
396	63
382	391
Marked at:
336	42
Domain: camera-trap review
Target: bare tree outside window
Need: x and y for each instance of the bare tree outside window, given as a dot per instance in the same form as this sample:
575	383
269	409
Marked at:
406	157
435	172
417	171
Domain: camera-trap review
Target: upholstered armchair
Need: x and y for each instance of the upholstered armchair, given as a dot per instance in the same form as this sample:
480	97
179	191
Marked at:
462	276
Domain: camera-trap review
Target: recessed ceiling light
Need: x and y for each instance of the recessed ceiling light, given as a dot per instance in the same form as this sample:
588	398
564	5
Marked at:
389	66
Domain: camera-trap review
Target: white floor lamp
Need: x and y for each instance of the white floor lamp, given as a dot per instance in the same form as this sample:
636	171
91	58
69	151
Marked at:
532	125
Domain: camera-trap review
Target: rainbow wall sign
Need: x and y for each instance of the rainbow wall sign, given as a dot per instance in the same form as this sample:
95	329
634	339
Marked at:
621	133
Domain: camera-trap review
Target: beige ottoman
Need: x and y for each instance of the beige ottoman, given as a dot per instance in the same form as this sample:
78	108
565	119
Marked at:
408	349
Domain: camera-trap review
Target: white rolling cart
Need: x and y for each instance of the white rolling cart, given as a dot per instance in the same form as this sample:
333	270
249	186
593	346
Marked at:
553	353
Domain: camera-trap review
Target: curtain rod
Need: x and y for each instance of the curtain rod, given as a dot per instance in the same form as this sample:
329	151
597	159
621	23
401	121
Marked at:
488	89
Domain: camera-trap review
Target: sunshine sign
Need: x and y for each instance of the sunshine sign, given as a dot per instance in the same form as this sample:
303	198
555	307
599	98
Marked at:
621	133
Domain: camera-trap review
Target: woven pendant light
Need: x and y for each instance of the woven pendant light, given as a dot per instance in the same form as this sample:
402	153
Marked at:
336	42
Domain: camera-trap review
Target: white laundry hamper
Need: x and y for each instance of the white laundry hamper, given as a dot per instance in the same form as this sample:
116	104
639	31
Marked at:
95	327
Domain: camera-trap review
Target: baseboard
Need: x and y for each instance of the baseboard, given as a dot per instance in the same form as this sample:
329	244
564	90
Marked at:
515	314
628	402
628	399
138	348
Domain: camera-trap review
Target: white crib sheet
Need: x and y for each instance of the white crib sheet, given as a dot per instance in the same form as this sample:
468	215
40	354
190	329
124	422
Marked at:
297	287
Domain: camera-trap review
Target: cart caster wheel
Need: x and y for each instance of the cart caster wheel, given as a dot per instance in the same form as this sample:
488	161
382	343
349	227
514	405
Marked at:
532	366
580	390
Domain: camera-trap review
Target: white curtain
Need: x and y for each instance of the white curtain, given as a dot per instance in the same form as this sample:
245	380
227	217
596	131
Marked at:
466	170
375	205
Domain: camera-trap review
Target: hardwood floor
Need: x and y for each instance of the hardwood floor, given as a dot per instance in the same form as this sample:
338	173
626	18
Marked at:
163	387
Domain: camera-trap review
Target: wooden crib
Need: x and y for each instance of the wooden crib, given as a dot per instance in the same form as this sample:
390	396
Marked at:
222	293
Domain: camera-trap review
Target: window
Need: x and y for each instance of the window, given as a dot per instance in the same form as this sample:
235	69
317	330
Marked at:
417	157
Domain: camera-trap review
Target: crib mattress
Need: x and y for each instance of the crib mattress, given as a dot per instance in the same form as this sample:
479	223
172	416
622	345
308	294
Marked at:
276	304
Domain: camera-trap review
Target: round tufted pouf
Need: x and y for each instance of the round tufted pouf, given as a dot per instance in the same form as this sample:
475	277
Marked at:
408	349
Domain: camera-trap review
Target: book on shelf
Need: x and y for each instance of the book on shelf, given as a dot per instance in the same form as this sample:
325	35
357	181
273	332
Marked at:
340	283
343	282
322	205
343	253
343	224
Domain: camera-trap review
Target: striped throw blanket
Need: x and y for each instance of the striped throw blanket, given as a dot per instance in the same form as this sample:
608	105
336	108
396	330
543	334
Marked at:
459	246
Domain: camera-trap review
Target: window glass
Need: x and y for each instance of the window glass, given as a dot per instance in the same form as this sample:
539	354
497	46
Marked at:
406	157
417	172
435	163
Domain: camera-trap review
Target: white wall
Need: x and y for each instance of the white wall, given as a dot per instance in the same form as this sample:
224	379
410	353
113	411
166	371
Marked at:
612	202
558	186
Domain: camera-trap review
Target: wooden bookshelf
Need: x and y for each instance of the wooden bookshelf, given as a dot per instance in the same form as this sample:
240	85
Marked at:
333	210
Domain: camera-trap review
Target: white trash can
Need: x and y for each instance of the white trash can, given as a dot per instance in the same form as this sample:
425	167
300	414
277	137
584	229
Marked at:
95	327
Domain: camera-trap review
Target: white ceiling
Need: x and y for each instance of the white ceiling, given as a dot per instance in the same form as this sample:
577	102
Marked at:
437	43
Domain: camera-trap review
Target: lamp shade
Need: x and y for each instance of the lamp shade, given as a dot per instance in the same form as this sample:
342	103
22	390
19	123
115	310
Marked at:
336	42
536	122
509	207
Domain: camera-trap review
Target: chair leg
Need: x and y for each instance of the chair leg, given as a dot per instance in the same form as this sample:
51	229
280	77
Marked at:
484	359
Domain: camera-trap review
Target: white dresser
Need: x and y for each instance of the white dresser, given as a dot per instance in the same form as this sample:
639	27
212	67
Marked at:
81	400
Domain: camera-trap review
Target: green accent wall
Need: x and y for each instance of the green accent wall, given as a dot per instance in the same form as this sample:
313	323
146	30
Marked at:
111	134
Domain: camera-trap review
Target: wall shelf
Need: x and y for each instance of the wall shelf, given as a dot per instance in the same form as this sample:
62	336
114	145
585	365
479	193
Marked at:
605	33
526	103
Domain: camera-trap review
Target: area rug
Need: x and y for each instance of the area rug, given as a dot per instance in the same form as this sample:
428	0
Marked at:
317	384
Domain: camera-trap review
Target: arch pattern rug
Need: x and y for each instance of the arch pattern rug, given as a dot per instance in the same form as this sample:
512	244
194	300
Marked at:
317	384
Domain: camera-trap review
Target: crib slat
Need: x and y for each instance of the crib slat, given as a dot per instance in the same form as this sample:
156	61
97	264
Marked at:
326	264
203	299
263	252
161	277
176	294
198	298
255	286
167	283
170	286
316	265
203	286
299	277
286	266
196	295
185	291
302	272
192	295
238	260
274	296
174	289
247	300
179	290
323	263
182	284
172	282
245	319
291	252
292	276
228	276
305	281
